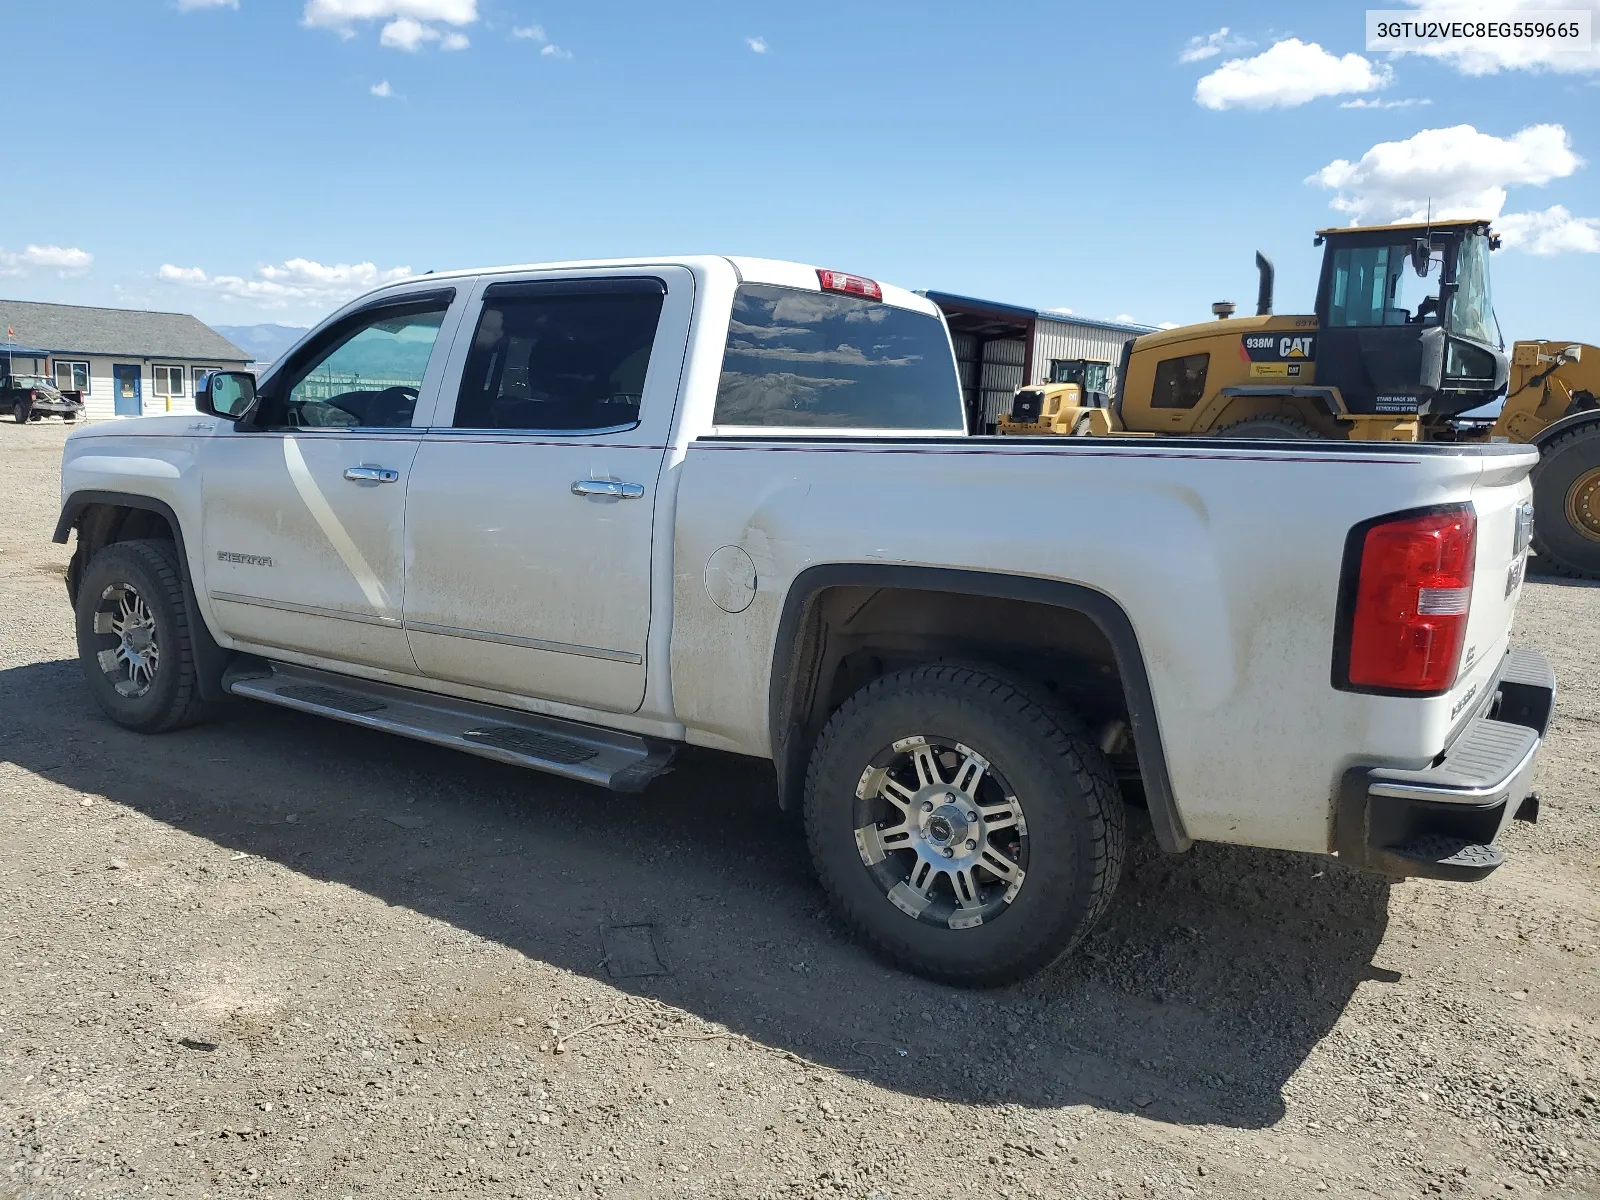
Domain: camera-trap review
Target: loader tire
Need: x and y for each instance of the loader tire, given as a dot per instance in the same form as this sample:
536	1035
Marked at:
1566	503
1269	427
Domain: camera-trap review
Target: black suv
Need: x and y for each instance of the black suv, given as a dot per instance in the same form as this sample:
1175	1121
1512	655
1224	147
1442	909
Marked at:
28	397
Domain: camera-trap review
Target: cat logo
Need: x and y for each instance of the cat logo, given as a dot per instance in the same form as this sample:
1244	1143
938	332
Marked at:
1275	348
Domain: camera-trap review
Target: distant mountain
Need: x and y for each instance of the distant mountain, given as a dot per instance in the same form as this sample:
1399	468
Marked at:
264	343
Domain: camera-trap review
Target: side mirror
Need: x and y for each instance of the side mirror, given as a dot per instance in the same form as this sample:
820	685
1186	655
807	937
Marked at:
1420	252
230	394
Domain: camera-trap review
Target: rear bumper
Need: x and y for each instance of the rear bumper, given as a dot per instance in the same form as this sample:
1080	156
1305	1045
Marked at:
1441	822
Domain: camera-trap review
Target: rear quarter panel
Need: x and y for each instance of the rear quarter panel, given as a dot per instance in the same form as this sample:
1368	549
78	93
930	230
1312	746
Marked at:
1225	559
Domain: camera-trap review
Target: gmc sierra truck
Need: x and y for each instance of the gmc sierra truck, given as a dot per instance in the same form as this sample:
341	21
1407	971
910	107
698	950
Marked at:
573	516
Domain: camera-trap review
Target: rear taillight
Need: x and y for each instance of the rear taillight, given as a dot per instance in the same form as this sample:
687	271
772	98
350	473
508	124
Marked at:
854	285
33	395
1407	591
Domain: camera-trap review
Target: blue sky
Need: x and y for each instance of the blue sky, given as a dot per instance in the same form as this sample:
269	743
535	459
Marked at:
264	160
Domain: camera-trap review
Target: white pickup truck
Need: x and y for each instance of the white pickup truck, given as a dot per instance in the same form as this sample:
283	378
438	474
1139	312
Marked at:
572	516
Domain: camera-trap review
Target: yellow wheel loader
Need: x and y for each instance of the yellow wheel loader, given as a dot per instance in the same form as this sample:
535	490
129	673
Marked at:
1402	346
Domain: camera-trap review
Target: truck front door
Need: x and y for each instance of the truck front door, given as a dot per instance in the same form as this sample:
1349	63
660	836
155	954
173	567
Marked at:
532	512
304	504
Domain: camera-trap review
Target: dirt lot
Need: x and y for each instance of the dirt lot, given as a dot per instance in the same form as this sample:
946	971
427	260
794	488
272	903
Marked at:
280	957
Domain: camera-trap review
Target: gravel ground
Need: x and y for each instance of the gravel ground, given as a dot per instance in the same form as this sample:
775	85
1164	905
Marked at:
275	956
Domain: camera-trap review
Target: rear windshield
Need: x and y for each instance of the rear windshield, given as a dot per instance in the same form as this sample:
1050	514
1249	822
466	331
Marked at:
815	359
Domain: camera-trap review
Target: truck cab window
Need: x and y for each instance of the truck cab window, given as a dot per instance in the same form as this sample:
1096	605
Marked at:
560	357
368	377
802	358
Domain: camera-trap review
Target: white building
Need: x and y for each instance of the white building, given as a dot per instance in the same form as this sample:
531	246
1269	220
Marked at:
125	362
1001	347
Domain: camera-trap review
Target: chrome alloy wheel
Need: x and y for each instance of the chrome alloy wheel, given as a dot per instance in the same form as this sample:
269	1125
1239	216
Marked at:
132	663
941	832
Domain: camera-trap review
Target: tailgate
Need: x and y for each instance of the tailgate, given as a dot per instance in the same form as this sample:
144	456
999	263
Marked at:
1503	500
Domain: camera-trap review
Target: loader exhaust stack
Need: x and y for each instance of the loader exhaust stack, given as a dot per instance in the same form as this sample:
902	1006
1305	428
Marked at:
1264	291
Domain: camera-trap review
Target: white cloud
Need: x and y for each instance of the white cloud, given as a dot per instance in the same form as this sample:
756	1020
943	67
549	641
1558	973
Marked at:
381	89
407	33
758	44
1454	172
532	33
191	5
343	14
551	50
1166	325
1507	54
1288	74
1553	231
64	260
299	281
408	24
1411	103
1209	45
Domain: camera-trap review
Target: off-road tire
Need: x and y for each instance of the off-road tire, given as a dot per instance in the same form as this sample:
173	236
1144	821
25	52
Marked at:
1076	824
151	568
20	412
1269	427
1562	462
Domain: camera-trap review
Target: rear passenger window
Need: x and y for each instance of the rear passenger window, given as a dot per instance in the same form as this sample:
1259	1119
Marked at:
1180	382
560	356
819	359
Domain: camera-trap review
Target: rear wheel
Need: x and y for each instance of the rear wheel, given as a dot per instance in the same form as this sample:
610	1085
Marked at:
963	829
1270	426
134	639
19	412
1566	503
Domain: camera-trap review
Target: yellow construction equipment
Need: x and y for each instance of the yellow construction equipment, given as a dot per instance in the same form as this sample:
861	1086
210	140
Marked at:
1403	346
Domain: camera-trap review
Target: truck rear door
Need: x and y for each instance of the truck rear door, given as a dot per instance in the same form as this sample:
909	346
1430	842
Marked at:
532	506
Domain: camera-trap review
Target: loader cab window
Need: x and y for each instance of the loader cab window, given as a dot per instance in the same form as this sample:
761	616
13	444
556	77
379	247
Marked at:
1180	382
1375	286
1471	312
1090	375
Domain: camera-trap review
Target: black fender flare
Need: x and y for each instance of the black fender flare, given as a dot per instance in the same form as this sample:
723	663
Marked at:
211	658
1105	612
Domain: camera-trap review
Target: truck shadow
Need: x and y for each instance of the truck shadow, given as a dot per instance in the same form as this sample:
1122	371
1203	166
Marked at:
1213	979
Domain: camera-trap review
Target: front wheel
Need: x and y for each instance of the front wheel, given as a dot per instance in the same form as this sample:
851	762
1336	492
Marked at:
1566	503
964	829
134	637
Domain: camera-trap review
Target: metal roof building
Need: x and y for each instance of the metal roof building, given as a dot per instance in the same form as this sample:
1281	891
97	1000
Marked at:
124	361
1002	347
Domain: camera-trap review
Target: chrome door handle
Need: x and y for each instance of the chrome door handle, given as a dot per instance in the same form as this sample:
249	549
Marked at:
608	487
371	474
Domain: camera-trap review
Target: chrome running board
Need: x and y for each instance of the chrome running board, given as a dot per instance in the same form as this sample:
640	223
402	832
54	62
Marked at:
623	762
